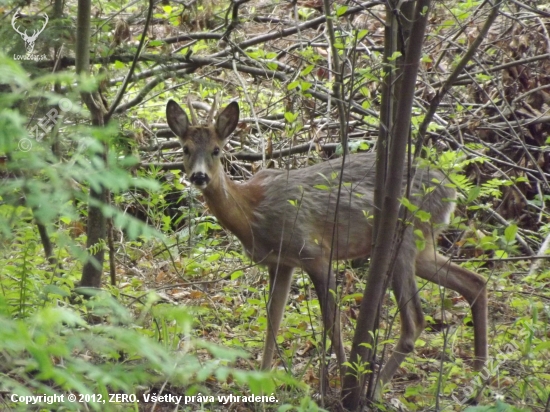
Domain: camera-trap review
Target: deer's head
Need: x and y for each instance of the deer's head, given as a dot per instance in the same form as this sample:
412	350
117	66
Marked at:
202	144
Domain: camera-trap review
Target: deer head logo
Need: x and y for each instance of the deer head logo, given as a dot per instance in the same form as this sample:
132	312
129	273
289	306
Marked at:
28	39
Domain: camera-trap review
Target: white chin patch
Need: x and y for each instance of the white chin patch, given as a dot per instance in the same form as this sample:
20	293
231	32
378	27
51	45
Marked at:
200	187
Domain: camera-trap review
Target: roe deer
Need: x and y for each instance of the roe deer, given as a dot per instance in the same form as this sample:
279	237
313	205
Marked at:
285	220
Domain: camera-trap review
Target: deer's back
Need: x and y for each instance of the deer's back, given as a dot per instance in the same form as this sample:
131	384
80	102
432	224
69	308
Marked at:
294	221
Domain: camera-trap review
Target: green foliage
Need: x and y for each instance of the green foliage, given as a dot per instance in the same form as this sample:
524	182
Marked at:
56	351
52	342
498	407
354	146
137	340
52	187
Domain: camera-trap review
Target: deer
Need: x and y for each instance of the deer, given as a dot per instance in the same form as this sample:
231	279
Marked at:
285	219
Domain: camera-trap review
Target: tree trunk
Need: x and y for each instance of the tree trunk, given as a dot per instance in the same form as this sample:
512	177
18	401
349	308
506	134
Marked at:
96	225
353	385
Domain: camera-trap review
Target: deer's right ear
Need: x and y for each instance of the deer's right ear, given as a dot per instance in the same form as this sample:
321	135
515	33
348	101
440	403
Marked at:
177	119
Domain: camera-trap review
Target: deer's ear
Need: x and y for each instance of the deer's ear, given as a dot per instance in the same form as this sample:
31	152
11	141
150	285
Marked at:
177	119
227	120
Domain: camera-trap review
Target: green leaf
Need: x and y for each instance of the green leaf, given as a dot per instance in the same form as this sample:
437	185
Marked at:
542	346
65	219
56	290
341	10
423	216
362	34
395	56
410	207
255	54
322	187
236	274
293	85
305	86
473	194
290	117
510	233
419	241
501	254
307	70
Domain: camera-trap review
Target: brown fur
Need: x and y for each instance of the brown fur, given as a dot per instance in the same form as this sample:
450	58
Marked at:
286	219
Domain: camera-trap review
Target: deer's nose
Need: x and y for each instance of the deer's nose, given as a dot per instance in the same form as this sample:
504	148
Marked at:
200	179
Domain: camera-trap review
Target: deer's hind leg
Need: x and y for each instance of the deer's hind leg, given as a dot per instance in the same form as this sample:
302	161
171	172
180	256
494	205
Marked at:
409	307
280	278
432	266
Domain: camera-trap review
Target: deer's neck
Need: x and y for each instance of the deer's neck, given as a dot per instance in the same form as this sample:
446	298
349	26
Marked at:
233	205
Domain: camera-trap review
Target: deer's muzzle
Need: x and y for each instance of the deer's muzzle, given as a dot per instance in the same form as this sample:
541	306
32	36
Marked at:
200	179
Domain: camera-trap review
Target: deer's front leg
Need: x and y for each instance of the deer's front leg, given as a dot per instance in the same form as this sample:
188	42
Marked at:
325	286
280	278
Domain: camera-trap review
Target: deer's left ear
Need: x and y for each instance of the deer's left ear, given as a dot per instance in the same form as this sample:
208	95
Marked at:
227	120
177	119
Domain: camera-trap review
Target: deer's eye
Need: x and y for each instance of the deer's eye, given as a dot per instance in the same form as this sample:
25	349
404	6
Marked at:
186	150
216	151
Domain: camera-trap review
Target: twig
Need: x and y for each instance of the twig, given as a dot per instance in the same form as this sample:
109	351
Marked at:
532	10
112	250
247	156
192	36
454	76
122	90
508	259
541	254
252	110
498	68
